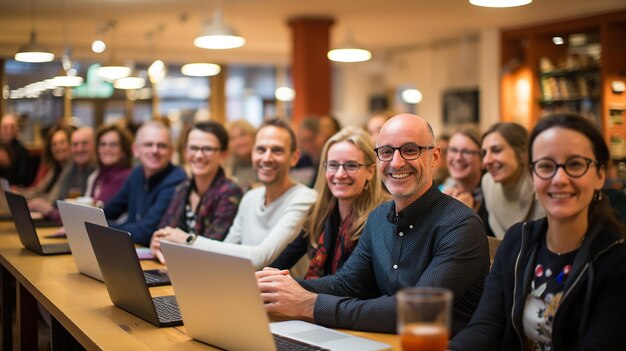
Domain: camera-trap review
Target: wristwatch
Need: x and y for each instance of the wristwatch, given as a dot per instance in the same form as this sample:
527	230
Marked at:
191	238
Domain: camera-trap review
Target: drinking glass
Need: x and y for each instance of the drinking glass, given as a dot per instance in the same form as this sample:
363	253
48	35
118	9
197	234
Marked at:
424	316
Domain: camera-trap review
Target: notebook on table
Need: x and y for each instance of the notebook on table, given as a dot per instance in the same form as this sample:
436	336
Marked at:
26	228
115	252
213	301
74	217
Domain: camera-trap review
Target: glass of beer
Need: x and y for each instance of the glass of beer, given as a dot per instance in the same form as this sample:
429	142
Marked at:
424	316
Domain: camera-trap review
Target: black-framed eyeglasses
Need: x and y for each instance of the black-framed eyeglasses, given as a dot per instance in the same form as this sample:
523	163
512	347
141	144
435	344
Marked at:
575	167
205	150
407	151
350	167
452	151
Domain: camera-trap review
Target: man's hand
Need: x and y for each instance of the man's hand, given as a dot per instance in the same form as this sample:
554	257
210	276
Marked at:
174	235
40	205
283	295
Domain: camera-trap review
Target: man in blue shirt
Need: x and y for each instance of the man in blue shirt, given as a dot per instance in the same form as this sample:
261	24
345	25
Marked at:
147	191
422	238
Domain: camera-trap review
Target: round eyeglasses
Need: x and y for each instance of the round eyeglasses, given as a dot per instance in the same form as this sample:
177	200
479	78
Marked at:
204	150
452	151
332	167
575	167
407	151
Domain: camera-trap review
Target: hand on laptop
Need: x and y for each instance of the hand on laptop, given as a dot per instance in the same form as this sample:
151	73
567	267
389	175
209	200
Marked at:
40	205
170	234
283	295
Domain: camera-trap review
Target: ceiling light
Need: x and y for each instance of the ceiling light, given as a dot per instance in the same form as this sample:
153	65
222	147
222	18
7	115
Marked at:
558	40
218	35
111	71
200	69
284	94
500	3
98	46
412	96
349	52
157	71
130	82
33	51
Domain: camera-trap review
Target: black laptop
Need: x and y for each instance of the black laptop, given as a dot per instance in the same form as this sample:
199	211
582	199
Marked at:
124	279
26	228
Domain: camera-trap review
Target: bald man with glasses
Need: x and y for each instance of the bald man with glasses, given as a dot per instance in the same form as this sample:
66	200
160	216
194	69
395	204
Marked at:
422	238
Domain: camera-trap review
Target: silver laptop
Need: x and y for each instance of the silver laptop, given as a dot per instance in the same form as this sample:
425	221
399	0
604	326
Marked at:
124	279
74	217
26	228
222	306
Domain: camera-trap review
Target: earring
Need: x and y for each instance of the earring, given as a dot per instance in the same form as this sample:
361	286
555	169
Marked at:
367	185
597	196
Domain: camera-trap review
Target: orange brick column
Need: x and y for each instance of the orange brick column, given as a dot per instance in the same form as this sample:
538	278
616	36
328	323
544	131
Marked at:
310	68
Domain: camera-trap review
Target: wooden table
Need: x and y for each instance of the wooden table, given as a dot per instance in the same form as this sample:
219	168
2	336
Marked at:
81	306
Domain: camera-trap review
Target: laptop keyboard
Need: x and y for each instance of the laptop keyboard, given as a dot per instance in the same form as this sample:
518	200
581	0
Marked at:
167	309
55	248
284	343
155	280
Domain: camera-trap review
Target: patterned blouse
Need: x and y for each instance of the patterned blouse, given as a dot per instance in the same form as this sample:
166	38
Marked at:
215	212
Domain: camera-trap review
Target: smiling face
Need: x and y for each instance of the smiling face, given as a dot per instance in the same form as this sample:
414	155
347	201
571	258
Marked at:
464	166
82	145
153	148
60	147
500	160
343	185
110	149
272	157
562	196
407	180
203	163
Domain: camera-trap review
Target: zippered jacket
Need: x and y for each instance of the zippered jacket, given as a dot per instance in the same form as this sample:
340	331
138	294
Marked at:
592	312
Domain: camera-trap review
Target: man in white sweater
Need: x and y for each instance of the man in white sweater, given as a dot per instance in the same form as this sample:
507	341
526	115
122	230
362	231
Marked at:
269	216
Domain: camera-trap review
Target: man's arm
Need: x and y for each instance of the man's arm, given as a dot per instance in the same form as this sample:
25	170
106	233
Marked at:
459	260
283	232
142	230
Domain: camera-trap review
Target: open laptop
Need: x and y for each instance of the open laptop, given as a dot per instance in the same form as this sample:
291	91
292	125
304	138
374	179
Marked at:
124	279
213	301
5	212
26	228
74	217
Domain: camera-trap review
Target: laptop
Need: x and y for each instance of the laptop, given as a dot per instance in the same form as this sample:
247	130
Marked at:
213	301
26	228
74	217
124	279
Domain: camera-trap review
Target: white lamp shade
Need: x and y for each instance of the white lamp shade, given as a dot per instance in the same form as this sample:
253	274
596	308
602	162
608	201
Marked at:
129	83
219	42
284	94
349	55
113	72
412	96
67	81
33	51
200	69
500	3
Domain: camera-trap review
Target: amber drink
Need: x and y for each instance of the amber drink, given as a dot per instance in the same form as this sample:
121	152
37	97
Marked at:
424	318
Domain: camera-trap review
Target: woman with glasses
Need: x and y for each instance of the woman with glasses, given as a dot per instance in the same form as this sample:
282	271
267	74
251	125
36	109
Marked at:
207	203
558	283
114	155
466	170
349	188
507	187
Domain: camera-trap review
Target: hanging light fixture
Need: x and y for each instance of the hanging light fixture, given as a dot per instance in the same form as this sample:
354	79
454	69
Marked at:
218	35
500	3
68	75
131	82
200	69
33	51
349	52
113	69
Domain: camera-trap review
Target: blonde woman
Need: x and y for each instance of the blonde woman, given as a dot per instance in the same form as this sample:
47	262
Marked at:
349	188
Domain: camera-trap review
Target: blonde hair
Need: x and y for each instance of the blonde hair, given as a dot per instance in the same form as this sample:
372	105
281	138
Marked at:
371	196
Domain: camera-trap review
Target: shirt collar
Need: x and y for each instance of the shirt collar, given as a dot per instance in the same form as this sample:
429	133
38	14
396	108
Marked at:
154	180
417	209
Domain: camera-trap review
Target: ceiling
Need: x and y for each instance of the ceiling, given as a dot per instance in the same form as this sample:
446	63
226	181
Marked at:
173	24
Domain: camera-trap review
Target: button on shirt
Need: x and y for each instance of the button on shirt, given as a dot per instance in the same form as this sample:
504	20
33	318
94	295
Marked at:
436	241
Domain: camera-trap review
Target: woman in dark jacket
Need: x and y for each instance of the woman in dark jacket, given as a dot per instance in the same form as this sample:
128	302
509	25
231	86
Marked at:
558	283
